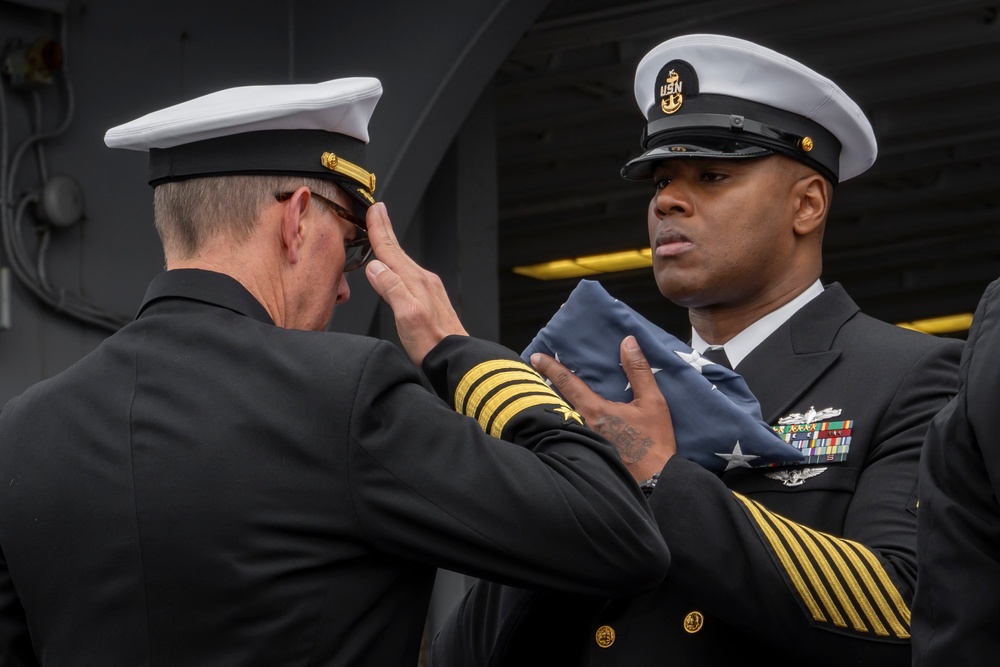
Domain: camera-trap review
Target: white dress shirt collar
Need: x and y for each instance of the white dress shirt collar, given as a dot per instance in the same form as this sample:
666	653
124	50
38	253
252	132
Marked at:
745	341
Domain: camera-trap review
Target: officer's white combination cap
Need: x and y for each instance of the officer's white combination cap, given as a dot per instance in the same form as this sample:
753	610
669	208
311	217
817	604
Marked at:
718	96
314	130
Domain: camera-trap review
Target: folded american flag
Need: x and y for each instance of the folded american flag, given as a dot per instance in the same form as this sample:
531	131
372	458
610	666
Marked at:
717	421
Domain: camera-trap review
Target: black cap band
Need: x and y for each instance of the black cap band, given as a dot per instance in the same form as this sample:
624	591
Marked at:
719	119
266	152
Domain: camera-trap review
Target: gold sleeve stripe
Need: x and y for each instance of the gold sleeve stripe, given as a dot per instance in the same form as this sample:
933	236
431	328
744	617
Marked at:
856	621
883	576
786	560
841	563
898	627
523	381
838	561
501	398
514	408
828	574
496	391
482	370
851	550
835	547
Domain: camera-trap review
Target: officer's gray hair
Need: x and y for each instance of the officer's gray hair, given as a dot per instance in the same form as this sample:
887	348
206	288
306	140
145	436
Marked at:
188	213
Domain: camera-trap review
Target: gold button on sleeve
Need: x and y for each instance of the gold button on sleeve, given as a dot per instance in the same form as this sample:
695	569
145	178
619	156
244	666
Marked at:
693	622
605	636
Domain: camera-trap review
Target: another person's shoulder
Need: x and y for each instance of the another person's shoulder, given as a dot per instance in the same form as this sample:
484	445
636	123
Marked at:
989	303
992	291
984	330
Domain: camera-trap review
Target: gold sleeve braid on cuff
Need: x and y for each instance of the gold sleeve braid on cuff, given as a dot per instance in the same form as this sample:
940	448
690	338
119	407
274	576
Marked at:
840	581
494	392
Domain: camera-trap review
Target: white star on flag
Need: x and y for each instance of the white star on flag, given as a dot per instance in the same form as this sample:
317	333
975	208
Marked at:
737	459
556	355
696	360
628	385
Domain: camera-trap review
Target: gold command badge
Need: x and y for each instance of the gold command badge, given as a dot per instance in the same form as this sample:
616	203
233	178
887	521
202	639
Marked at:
671	98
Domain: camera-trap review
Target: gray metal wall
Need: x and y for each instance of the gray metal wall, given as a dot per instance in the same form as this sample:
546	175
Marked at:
125	58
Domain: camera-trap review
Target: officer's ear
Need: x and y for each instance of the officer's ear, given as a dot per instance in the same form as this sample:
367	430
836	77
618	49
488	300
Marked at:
811	202
293	224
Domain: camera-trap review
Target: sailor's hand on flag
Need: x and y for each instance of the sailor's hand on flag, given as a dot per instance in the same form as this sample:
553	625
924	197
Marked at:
641	431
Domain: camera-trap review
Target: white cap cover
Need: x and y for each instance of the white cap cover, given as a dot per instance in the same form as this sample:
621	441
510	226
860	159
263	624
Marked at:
317	130
724	95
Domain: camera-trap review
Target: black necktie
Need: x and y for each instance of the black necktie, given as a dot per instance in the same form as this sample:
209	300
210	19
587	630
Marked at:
717	355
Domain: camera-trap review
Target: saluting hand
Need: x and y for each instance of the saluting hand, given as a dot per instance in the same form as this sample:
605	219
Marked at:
641	431
423	312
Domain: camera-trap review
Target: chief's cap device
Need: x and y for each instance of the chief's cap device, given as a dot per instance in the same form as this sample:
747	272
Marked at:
312	130
722	97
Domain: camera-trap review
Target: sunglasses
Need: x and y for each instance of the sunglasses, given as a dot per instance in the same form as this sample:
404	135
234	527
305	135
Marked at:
358	250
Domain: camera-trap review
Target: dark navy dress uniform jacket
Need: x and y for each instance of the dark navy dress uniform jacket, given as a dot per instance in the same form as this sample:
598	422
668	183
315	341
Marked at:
957	605
208	489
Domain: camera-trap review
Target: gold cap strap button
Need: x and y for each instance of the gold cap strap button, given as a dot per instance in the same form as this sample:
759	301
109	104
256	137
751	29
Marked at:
605	636
693	622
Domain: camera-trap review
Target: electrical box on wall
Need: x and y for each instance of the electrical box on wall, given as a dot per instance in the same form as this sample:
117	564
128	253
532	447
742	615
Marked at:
31	66
58	6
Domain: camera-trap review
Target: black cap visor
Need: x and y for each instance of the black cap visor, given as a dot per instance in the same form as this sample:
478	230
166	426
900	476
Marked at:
641	168
726	127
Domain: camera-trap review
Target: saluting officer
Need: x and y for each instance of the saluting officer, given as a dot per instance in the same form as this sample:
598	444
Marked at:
811	563
224	483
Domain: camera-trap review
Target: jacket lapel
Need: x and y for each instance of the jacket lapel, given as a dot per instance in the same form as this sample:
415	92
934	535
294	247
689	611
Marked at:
790	361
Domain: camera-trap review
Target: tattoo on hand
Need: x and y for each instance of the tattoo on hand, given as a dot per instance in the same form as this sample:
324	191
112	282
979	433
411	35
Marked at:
625	437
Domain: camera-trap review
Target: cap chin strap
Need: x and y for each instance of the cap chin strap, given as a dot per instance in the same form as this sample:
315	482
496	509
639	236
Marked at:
730	122
341	166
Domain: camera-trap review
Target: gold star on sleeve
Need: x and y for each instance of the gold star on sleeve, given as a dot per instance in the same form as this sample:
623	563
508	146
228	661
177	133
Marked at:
568	414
